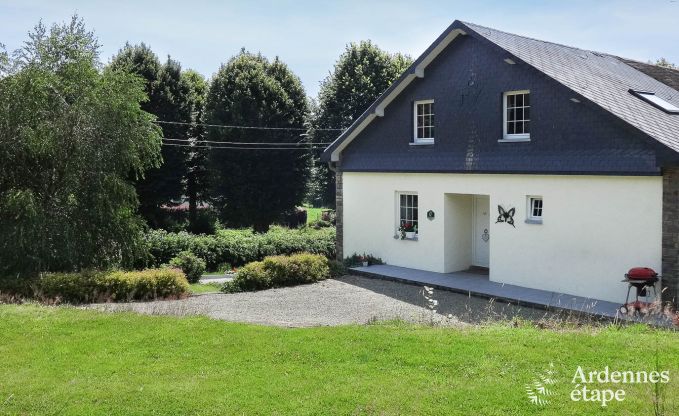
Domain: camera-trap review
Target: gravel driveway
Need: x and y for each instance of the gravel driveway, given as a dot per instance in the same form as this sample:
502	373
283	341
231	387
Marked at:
347	300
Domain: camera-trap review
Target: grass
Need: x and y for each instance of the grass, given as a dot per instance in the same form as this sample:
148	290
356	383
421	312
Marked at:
313	214
204	288
68	361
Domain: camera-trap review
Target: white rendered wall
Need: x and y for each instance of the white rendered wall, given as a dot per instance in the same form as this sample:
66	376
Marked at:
594	227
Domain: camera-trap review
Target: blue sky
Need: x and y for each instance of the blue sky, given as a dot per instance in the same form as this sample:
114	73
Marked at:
310	35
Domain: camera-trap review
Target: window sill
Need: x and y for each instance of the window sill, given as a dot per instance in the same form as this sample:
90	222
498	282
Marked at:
514	140
398	237
533	221
422	143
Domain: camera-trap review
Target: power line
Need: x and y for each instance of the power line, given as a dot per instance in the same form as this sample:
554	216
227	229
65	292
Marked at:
243	148
224	126
250	143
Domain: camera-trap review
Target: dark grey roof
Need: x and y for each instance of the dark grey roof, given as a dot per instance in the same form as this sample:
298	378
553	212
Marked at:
601	78
667	76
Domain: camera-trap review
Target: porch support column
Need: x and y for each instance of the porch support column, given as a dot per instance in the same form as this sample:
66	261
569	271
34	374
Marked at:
670	236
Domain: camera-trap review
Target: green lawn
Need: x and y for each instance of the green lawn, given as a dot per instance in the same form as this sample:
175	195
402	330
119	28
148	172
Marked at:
205	288
313	214
69	361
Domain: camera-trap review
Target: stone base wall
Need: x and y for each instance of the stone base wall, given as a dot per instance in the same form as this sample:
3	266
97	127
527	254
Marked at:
339	214
670	236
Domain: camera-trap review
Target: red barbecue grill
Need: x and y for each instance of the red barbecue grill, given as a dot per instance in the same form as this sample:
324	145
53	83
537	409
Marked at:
641	279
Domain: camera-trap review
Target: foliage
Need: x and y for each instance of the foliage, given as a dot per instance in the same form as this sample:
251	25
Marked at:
94	286
337	268
360	75
358	259
169	100
71	135
238	247
278	271
662	62
250	90
192	266
318	224
197	174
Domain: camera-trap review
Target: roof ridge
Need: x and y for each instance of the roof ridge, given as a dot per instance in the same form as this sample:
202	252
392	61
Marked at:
535	39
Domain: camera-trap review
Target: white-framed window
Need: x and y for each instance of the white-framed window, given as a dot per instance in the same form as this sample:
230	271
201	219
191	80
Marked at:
534	209
407	211
516	119
423	113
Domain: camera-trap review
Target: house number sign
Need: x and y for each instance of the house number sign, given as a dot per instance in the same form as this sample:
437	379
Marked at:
430	215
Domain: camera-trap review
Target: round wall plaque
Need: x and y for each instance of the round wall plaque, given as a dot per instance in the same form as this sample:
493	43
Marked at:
430	215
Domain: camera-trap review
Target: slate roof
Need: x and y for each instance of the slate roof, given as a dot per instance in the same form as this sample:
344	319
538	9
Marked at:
599	77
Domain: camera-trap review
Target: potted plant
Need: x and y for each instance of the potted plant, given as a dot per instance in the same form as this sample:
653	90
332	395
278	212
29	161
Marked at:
364	260
408	230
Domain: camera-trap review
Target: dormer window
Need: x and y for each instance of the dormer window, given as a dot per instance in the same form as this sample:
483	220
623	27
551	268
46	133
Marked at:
656	101
424	122
516	118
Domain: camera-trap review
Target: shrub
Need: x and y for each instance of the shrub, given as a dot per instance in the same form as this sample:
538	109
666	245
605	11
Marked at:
277	271
192	266
94	286
318	224
337	268
357	260
239	247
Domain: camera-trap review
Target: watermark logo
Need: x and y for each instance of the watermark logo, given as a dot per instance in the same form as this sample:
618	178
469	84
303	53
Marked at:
539	390
603	387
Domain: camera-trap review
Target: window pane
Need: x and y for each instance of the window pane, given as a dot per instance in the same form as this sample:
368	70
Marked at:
510	128
431	132
511	114
526	99
526	113
403	200
510	101
519	114
526	127
519	100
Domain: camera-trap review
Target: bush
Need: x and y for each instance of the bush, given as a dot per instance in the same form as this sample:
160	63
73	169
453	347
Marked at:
318	224
94	286
337	268
239	247
277	271
192	266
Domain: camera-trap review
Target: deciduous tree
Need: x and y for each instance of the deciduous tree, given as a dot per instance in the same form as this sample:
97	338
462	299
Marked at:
70	135
360	75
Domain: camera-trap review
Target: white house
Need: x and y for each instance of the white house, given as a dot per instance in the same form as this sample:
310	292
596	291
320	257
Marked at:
553	167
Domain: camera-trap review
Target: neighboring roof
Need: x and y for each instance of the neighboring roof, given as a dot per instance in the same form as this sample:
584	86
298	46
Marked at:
667	76
601	78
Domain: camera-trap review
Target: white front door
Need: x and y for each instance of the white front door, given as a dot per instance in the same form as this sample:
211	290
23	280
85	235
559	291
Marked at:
481	230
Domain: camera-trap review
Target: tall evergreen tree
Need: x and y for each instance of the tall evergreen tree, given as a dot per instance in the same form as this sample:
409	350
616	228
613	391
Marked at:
197	176
254	187
168	99
360	75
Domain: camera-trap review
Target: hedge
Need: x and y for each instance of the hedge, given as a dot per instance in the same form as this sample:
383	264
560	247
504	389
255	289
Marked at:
239	247
278	271
94	286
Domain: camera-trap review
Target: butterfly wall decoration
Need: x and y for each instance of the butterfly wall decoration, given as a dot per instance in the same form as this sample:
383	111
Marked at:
506	216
